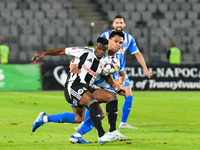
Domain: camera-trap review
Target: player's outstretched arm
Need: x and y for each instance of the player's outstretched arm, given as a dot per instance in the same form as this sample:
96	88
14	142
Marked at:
141	60
57	51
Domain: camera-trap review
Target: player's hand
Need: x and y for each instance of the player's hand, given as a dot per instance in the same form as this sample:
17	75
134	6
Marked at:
148	73
119	90
38	56
74	68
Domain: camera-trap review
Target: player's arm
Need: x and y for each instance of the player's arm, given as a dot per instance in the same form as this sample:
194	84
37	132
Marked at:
74	67
140	59
133	49
122	78
115	86
57	51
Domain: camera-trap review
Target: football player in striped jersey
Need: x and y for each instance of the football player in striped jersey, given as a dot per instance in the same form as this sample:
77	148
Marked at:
78	89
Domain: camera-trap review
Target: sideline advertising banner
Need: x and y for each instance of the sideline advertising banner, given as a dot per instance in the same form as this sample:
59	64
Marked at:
169	78
165	78
20	77
54	76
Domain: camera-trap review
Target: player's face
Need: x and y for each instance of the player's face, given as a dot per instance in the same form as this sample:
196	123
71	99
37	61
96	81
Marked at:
100	50
119	24
115	43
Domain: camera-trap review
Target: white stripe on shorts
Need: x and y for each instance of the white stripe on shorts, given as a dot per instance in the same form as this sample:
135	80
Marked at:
75	94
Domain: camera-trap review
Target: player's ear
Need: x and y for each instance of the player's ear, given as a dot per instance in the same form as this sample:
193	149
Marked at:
95	46
108	40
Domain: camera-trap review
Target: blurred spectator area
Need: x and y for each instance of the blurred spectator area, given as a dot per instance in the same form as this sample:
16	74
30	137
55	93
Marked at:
31	26
155	23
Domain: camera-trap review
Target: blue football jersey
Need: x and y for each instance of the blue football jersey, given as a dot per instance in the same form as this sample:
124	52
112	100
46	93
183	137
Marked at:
129	44
100	82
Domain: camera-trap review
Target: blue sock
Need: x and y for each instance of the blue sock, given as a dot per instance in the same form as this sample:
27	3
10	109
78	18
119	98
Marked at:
126	108
61	118
87	115
86	126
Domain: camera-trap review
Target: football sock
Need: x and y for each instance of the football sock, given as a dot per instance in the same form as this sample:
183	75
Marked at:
95	116
86	126
111	109
66	117
87	115
126	108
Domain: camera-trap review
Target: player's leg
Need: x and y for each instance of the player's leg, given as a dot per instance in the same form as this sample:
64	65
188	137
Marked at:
89	100
66	117
111	110
85	114
126	108
81	95
79	114
85	128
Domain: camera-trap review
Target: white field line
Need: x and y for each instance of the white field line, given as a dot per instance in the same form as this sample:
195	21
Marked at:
13	94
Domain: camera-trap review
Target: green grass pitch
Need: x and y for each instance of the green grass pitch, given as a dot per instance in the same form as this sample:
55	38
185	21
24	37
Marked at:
165	120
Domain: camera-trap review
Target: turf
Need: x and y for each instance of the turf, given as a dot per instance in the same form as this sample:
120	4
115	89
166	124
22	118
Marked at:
165	120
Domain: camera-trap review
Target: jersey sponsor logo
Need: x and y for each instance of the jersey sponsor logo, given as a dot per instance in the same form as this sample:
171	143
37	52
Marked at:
90	71
80	91
90	59
74	48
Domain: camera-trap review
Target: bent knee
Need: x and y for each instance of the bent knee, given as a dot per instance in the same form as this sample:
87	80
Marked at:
78	119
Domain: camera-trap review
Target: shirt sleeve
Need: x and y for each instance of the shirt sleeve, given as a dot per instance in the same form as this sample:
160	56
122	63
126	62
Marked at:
74	51
133	46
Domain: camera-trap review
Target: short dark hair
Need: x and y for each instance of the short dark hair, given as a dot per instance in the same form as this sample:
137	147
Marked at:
102	40
113	33
119	17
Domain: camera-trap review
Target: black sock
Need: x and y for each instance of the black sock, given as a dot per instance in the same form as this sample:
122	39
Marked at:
95	117
112	111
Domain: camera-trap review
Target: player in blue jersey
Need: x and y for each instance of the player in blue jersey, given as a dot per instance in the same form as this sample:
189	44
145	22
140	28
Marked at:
130	45
114	45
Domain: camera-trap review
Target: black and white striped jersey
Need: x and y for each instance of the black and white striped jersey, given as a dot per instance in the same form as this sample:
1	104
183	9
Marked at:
87	61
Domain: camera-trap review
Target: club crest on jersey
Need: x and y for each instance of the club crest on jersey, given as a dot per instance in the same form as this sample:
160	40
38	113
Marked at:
121	51
74	48
85	89
80	91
